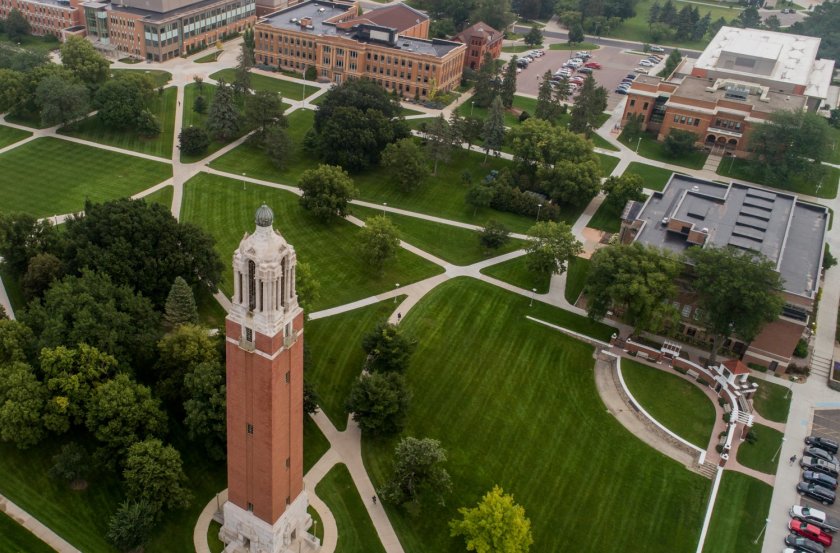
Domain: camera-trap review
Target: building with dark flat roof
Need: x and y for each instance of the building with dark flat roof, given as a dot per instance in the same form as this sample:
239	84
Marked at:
692	212
387	45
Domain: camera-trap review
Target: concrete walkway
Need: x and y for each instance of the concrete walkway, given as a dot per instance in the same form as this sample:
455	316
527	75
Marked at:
35	526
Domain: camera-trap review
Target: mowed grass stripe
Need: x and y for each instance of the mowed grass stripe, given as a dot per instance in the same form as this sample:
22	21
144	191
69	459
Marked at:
14	538
222	207
50	176
10	135
515	404
740	510
356	533
288	89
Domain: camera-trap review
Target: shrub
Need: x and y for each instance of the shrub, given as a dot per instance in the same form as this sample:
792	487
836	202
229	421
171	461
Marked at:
524	116
801	350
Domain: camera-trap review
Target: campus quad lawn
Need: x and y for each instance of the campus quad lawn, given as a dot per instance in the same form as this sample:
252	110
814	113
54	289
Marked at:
759	456
40	44
209	58
162	197
608	163
336	355
356	533
772	401
655	178
520	104
573	46
288	89
514	271
652	149
576	276
163	107
740	511
10	135
514	403
315	444
50	176
191	118
677	403
223	208
159	77
453	244
14	538
743	169
606	218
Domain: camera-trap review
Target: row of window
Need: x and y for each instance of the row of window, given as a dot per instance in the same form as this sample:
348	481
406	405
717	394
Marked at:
727	124
683	120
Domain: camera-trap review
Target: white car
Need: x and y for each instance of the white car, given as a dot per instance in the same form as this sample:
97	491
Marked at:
641	70
529	59
659	49
816	517
574	63
646	63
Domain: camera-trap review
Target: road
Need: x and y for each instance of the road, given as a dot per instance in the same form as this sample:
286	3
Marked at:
618	43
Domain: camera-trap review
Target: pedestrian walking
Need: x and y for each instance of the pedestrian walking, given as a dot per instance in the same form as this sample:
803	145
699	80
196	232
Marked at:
374	500
399	316
792	459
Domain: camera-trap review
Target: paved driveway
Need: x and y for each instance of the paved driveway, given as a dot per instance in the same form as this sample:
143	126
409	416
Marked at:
826	423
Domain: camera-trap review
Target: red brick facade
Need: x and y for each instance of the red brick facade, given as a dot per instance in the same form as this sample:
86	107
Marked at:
46	18
480	39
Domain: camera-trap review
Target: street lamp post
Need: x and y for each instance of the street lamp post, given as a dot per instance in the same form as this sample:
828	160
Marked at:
243	181
472	105
758	537
539	207
773	460
384	205
638	143
304	82
533	293
396	287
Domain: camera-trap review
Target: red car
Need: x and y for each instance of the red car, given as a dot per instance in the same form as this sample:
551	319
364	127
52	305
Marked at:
592	65
810	531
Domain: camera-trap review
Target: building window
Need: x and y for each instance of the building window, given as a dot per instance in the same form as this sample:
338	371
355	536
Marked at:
632	102
249	335
288	462
249	428
696	122
676	119
646	105
250	507
252	285
288	377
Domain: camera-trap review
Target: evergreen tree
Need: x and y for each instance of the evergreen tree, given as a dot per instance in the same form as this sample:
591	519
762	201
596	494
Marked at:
440	141
180	304
132	524
200	105
534	37
242	80
547	107
277	145
668	14
590	103
486	82
654	14
715	27
224	120
702	27
509	83
494	128
576	35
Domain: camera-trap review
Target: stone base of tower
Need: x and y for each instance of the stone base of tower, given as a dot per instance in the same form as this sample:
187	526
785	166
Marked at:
243	532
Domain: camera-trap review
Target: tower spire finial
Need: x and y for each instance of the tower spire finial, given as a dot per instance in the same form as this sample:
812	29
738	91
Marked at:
264	217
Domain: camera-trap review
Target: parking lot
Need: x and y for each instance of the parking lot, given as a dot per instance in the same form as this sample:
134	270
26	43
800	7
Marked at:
826	423
615	63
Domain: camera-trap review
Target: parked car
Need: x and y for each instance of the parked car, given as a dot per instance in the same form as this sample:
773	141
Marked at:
577	79
646	63
815	491
621	91
583	54
585	70
803	544
641	70
656	49
575	62
592	65
816	517
823	443
811	532
821	454
529	59
819	465
820	478
631	76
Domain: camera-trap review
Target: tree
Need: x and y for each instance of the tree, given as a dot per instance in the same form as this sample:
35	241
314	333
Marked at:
16	25
622	189
553	245
633	126
122	412
205	405
180	304
749	18
147	124
22	237
22	400
496	525
534	37
326	191
466	129
719	22
61	101
277	145
132	524
772	22
440	141
245	61
418	473
224	122
590	103
379	241
43	270
576	35
822	22
738	293
153	473
406	164
200	104
790	142
494	235
17	342
264	109
494	128
355	139
508	88
634	281
486	82
11	89
549	106
388	349
91	309
361	94
679	143
379	402
81	58
671	63
306	285
181	350
142	245
123	99
479	195
193	141
71	464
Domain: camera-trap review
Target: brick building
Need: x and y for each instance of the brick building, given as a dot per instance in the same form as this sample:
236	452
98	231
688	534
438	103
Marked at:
742	77
480	39
267	505
787	231
387	45
47	17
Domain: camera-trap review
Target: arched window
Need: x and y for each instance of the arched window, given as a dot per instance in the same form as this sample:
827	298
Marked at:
252	285
283	282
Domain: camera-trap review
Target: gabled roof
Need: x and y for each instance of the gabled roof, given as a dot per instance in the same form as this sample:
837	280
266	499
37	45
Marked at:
397	16
480	29
736	367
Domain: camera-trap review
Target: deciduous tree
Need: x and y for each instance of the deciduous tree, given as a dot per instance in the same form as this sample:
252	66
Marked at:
379	241
16	25
193	141
204	407
43	270
181	350
622	189
326	191
534	36
277	145
22	401
308	288
379	402
131	524
154	473
497	524
121	101
264	109
406	164
388	348
62	101
79	56
12	88
440	141
418	474
552	246
494	235
22	237
479	195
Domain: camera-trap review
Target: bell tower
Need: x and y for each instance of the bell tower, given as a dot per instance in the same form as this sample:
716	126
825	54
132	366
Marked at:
266	507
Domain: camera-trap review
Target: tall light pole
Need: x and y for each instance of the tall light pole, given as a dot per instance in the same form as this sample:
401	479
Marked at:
533	293
638	143
304	82
243	181
396	287
758	537
384	205
472	105
773	460
539	207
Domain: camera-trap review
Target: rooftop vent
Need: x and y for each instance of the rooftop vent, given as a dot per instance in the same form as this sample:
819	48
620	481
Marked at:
293	20
322	10
695	188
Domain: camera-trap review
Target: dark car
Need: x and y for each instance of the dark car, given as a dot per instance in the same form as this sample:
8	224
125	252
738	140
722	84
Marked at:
803	544
815	491
823	443
821	454
585	70
631	76
819	478
620	91
819	465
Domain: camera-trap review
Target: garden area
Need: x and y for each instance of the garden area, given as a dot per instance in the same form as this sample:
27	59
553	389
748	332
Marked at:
651	148
655	177
748	170
772	401
535	393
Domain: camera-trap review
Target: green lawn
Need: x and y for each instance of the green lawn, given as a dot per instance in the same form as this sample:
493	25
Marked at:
190	117
216	545
336	355
772	401
514	403
210	311
601	142
404	111
655	177
453	244
740	511
759	456
209	58
356	533
91	128
223	208
608	163
43	44
652	149
576	276
159	77
288	89
520	103
745	169
606	218
10	135
162	197
519	48
17	539
679	405
27	120
574	46
315	444
515	272
50	176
